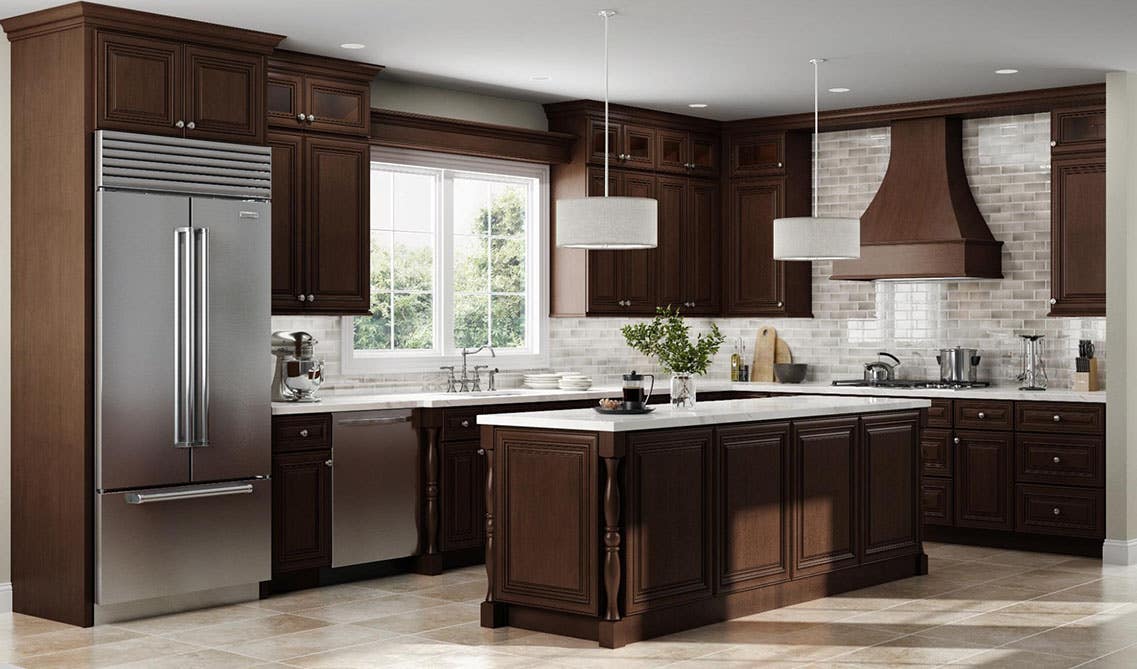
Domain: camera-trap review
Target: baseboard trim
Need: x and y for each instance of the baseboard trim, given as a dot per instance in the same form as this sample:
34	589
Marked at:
1117	551
5	597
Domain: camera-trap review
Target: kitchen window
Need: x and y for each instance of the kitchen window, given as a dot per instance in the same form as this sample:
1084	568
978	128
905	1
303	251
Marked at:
457	261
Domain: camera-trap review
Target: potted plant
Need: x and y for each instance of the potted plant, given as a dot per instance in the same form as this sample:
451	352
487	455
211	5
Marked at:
667	338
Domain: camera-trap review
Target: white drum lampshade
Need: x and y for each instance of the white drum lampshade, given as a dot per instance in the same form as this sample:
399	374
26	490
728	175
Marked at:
615	223
815	238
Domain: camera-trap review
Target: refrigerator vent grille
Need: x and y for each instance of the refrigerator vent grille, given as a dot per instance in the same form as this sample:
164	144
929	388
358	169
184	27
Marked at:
175	165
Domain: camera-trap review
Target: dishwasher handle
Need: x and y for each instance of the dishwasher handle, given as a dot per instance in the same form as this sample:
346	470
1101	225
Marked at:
353	422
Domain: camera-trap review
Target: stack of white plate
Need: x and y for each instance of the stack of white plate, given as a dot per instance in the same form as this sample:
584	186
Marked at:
575	382
542	381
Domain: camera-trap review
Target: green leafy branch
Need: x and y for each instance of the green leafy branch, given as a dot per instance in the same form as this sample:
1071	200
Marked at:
667	338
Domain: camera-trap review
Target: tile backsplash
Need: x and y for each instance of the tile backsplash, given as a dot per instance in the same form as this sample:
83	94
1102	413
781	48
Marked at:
1007	163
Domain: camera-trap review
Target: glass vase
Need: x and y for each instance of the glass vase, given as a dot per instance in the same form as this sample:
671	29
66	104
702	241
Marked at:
683	391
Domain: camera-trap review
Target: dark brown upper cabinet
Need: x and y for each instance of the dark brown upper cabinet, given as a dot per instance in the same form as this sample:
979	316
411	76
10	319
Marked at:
754	283
757	155
320	221
160	86
319	94
621	282
681	152
1077	130
687	257
1077	234
629	145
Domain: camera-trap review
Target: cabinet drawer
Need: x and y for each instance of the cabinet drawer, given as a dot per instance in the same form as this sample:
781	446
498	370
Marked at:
1072	512
935	452
1055	417
461	423
939	414
301	433
984	415
936	501
1041	458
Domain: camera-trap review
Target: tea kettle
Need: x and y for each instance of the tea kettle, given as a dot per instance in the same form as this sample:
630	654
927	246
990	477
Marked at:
879	371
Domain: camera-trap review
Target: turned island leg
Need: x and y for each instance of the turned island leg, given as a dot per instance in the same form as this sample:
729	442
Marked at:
492	613
612	540
430	562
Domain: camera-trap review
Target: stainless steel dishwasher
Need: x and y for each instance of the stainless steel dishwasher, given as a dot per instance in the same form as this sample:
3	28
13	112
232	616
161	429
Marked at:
374	486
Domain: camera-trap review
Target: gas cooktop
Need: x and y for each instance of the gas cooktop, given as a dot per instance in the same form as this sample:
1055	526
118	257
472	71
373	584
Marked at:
912	383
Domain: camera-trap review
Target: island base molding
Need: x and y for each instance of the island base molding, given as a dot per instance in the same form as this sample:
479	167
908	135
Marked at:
725	606
1040	543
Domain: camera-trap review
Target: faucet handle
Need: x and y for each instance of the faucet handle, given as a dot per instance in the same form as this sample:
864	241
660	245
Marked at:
450	387
478	378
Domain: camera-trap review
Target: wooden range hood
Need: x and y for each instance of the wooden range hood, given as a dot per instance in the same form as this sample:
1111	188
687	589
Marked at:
923	222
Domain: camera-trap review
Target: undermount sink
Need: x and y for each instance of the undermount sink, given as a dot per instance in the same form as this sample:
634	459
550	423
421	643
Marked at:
487	393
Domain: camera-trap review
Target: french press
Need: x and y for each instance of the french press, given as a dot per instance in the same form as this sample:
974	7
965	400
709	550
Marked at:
634	395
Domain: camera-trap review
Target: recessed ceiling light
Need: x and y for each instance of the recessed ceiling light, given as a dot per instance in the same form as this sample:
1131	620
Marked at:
840	89
540	77
1007	70
697	105
353	45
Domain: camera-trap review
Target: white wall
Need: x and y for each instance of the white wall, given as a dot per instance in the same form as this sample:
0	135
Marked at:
5	322
401	96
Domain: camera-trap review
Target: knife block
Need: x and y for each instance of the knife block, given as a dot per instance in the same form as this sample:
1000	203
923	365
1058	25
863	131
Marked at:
1087	381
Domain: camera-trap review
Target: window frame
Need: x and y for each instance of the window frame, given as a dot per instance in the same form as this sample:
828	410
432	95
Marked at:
537	273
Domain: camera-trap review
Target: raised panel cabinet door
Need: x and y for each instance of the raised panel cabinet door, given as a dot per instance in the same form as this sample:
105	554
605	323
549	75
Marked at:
638	145
984	489
704	154
138	86
224	95
753	279
753	520
826	501
671	254
463	495
672	151
752	155
337	176
284	100
301	511
637	269
596	141
605	291
1077	231
669	526
935	501
1080	129
288	280
702	248
338	106
891	480
935	452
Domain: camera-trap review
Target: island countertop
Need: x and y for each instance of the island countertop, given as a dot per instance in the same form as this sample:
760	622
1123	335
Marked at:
704	413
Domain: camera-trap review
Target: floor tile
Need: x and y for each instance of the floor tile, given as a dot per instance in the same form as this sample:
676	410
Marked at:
424	620
307	642
249	630
385	653
67	639
140	649
376	607
1010	658
1126	658
181	622
206	658
314	598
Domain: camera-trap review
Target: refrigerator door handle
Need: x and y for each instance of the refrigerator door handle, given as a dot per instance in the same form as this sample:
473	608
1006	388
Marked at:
183	339
196	492
201	337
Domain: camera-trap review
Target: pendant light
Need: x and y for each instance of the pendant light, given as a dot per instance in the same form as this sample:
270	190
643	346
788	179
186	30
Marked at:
816	237
607	222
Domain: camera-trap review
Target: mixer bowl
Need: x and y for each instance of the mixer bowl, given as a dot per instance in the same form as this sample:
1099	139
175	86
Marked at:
302	378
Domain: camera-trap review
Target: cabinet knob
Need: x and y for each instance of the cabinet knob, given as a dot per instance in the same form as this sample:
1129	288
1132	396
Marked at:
955	441
1057	418
311	118
1053	143
180	124
191	125
300	117
304	432
1057	511
781	304
779	164
1054	300
311	297
301	297
981	415
465	423
1057	460
327	463
481	451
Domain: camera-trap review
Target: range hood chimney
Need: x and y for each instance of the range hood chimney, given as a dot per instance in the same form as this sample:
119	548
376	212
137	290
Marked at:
923	223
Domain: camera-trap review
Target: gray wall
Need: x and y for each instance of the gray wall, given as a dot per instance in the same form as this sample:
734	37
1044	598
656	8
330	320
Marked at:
400	96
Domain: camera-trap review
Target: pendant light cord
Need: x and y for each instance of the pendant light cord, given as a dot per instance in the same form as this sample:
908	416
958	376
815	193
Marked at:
606	14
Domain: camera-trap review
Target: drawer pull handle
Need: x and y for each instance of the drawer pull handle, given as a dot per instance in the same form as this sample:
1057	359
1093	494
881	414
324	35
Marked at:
481	451
1057	511
304	432
982	415
1057	418
465	423
1057	460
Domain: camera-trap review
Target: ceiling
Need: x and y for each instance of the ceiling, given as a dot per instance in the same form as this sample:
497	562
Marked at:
743	58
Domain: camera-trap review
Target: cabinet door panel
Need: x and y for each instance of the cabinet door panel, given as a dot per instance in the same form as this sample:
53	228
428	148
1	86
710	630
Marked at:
702	245
637	268
301	511
891	475
936	506
337	232
284	100
704	154
638	145
753	278
288	281
826	505
1071	512
338	106
596	141
138	85
1077	230
672	151
1080	129
935	452
757	155
671	253
753	516
224	95
463	495
983	480
669	495
605	292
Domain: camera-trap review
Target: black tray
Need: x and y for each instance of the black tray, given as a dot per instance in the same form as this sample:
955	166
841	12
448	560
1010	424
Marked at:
626	412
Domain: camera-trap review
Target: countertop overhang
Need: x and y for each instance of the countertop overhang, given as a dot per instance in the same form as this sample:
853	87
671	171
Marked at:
704	413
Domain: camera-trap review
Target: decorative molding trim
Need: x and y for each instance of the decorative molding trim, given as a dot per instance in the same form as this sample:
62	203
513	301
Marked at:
468	138
1117	551
324	66
5	597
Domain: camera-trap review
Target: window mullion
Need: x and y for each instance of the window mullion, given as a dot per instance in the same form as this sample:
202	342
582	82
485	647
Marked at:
444	274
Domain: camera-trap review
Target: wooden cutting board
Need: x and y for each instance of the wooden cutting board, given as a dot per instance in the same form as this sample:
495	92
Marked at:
782	354
765	344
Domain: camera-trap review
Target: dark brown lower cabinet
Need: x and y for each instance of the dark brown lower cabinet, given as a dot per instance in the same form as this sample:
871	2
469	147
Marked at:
464	502
891	475
826	504
301	511
1071	512
936	501
753	465
984	492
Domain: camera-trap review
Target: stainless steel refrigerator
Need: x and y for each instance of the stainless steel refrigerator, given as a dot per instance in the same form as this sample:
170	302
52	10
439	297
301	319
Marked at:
182	418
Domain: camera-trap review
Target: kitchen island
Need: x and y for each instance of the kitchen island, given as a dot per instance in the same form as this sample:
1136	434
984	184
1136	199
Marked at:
621	528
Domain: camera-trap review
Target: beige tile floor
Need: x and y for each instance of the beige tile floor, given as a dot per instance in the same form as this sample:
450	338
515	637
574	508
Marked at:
978	607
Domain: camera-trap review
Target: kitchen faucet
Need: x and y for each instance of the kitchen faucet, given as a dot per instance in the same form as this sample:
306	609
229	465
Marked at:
466	384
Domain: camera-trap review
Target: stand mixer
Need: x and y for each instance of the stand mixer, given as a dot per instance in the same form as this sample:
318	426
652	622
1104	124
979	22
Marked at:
299	373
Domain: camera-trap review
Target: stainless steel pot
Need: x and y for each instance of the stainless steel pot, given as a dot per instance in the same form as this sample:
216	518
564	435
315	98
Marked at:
958	364
879	371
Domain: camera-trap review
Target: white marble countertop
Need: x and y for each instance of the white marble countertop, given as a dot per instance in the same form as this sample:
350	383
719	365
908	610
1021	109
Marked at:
704	413
415	400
